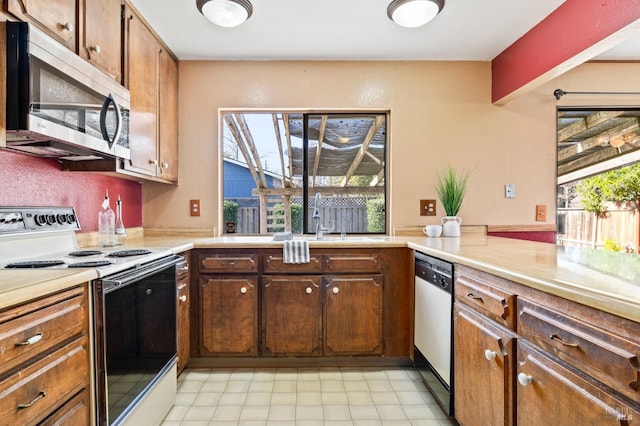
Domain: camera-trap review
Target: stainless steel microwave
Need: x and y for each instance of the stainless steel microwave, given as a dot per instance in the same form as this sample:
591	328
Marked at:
59	105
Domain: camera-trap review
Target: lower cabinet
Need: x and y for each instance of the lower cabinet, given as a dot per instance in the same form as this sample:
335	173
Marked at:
483	365
183	309
291	307
353	315
229	315
44	349
550	393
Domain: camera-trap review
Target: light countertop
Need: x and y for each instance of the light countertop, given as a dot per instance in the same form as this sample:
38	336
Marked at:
583	276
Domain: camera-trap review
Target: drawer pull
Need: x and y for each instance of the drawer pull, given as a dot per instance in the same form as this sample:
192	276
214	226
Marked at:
474	297
229	263
183	268
524	379
41	395
31	340
182	298
335	290
557	338
490	355
308	290
243	290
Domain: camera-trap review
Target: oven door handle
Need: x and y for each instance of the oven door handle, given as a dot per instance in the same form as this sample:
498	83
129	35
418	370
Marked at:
125	278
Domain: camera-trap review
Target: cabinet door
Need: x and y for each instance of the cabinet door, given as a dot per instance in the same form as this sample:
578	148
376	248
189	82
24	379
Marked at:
141	77
291	315
550	393
483	366
168	117
184	303
101	43
353	315
55	17
229	315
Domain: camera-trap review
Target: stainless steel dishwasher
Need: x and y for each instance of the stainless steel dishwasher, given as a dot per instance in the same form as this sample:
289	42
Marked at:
433	337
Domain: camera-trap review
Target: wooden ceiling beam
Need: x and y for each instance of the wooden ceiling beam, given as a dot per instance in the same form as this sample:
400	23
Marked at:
567	153
316	163
592	120
287	133
244	127
233	128
276	129
596	157
375	126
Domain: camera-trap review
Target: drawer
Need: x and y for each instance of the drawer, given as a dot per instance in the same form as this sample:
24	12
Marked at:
33	328
74	412
602	354
275	264
224	263
491	301
353	263
46	385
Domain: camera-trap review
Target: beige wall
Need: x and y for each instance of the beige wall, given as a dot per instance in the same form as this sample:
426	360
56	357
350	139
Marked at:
440	114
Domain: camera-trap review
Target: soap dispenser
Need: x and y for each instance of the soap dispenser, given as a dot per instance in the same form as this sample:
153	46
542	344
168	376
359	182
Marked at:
106	224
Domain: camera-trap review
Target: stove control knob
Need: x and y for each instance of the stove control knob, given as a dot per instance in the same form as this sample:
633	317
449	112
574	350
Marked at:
51	219
61	218
40	219
71	218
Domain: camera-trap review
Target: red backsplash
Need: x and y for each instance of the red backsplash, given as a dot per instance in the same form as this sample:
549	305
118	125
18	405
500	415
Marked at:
34	181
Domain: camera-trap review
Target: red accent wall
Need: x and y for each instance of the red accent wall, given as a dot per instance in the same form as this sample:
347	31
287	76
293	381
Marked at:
569	30
34	181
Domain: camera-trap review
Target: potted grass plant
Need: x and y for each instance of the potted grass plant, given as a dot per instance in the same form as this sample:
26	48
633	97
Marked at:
450	188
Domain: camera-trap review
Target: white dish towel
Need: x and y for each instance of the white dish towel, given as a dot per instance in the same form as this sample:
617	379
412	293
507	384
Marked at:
296	251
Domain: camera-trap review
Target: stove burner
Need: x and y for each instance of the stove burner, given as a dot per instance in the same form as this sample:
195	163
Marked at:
127	253
35	264
93	264
83	253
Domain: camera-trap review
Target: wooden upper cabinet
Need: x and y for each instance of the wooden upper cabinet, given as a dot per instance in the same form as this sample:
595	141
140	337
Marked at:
168	114
57	18
141	77
100	41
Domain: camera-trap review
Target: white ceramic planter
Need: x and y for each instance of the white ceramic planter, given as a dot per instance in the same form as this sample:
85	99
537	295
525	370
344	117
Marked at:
451	226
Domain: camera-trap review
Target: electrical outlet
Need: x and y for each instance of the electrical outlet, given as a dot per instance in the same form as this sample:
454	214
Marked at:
194	207
541	213
427	207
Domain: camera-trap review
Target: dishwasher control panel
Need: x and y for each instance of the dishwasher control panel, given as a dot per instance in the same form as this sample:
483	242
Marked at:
435	271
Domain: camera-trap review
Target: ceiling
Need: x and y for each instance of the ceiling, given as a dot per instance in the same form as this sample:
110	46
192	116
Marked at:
345	30
352	30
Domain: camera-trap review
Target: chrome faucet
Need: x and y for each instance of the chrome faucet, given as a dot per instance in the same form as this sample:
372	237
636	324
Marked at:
320	231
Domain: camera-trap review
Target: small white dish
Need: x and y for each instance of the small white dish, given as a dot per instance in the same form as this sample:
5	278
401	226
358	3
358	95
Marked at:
433	230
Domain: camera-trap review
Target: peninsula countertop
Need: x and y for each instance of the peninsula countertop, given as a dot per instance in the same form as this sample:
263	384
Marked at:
606	281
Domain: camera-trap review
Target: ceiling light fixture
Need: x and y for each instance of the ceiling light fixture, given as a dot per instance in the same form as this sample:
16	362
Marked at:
226	13
413	13
617	142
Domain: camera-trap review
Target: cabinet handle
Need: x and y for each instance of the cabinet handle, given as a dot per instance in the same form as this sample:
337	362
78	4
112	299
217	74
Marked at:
96	48
41	395
67	26
164	165
474	297
490	355
243	290
183	268
308	290
154	162
335	290
557	338
524	379
182	298
31	340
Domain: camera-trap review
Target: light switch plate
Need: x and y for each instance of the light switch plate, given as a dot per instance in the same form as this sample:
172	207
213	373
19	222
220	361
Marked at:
510	190
541	213
427	207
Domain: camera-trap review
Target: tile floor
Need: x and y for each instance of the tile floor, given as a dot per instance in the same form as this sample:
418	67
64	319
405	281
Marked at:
336	396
